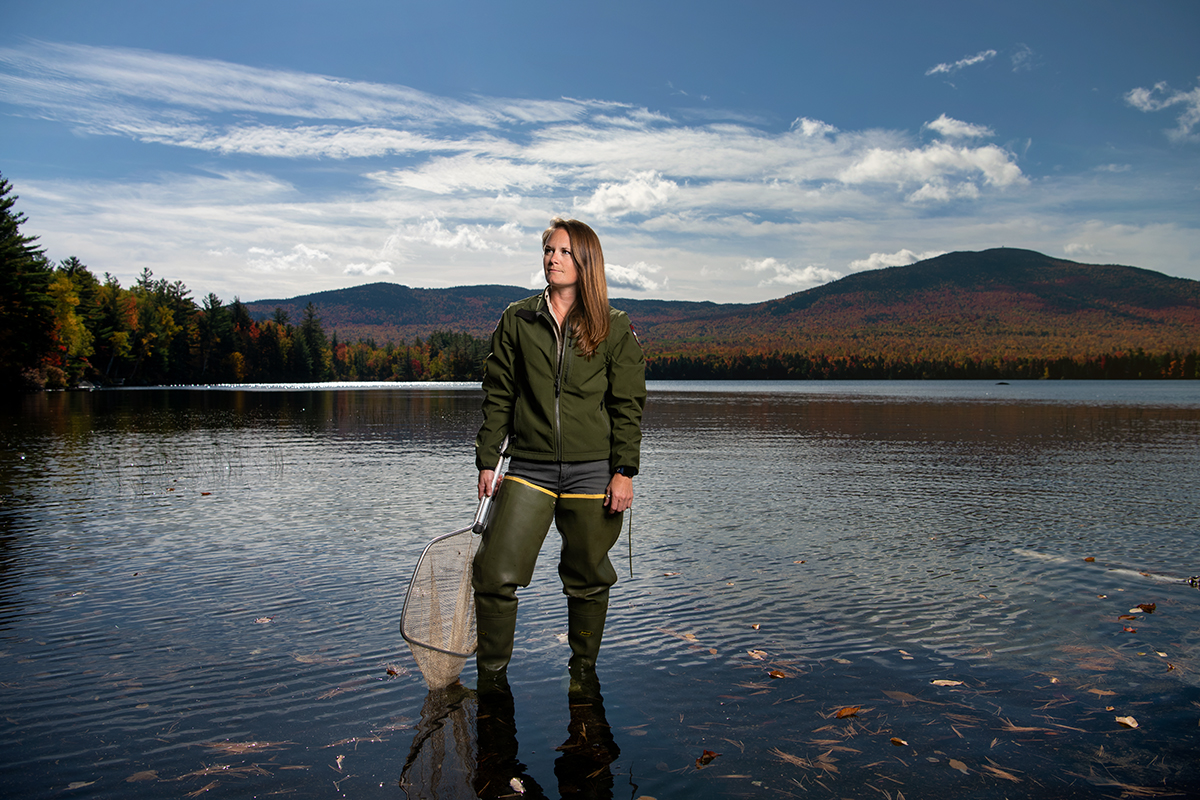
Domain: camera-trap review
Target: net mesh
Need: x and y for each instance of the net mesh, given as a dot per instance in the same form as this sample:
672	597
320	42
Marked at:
438	620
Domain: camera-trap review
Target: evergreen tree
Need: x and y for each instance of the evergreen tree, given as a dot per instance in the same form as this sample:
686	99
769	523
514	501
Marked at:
26	307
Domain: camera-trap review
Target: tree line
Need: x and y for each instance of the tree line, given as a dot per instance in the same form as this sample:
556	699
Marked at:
60	325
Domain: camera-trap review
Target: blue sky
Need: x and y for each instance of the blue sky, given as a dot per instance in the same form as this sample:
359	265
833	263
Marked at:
731	152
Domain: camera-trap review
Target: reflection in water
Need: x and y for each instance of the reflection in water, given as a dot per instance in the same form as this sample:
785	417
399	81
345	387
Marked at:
187	577
466	744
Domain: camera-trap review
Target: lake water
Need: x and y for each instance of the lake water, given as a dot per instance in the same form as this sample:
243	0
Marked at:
200	593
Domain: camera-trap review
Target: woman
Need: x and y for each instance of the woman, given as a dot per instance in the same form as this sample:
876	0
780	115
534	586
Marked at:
566	382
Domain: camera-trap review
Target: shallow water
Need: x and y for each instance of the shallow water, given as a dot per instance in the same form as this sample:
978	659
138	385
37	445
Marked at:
200	590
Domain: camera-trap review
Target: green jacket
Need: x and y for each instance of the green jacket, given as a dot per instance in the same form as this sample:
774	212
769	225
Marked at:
568	409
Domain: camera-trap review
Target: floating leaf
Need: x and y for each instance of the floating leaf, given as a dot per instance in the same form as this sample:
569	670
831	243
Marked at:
946	683
705	759
757	655
263	620
1102	692
80	784
1126	617
899	742
1128	722
777	673
1160	654
1147	607
958	765
517	786
1130	630
848	711
755	626
1090	559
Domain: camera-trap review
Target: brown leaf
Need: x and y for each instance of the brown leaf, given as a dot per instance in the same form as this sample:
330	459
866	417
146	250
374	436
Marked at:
705	759
958	765
777	673
899	742
1090	559
1148	607
757	655
848	711
1130	630
999	773
1127	617
1102	692
1128	722
947	683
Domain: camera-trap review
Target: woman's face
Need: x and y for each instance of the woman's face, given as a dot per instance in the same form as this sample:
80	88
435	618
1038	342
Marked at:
558	262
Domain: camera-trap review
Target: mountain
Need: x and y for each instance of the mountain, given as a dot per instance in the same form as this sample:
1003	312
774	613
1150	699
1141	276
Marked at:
995	303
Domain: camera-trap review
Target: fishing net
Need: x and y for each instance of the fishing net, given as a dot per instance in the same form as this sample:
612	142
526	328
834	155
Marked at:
438	619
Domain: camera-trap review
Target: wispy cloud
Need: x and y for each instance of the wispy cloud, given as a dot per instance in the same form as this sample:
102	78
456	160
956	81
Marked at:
1160	97
440	192
956	129
950	67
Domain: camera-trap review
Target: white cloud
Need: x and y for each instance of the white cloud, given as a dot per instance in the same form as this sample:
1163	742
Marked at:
639	194
901	258
1160	97
300	258
636	276
463	237
813	127
370	270
956	129
793	277
945	172
968	61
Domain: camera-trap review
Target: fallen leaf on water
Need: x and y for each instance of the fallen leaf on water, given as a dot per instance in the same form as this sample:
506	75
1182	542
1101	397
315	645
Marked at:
263	620
899	742
999	773
517	786
1110	708
1102	596
777	673
843	661
1160	654
689	636
946	683
903	697
1090	559
755	626
205	494
799	562
848	711
670	574
712	651
1128	722
1102	692
958	765
1170	667
1130	630
80	784
1126	617
1147	607
706	759
757	655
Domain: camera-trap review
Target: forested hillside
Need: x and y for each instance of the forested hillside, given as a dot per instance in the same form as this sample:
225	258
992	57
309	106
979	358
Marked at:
1001	313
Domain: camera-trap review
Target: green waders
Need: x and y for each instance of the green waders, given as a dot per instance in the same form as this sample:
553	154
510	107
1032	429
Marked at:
508	554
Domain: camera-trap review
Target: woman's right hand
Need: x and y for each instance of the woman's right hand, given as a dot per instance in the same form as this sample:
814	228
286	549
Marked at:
485	482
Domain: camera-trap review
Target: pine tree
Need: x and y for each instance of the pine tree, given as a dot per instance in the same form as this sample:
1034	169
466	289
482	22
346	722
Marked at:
26	308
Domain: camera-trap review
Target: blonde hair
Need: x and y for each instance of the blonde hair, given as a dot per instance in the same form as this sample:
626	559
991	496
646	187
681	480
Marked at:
590	313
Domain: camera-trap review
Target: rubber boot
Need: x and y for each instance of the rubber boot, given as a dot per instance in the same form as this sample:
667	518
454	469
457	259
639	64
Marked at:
504	562
582	769
588	532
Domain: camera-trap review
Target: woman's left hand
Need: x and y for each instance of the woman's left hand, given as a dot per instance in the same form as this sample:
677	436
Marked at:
619	494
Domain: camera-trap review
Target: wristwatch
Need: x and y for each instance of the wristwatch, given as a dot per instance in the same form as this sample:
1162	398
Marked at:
628	472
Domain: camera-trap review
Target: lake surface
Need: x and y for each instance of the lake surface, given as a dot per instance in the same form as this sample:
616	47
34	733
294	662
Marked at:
200	592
